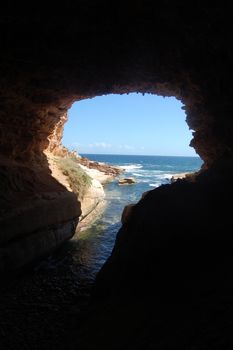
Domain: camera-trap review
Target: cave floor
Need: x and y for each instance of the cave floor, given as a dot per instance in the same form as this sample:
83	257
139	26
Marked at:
41	306
47	306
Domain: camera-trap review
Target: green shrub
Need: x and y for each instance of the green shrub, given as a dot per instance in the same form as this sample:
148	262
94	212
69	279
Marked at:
78	179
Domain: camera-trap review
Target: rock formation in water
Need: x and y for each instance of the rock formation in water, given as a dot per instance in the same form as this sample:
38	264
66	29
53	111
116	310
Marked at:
127	181
173	255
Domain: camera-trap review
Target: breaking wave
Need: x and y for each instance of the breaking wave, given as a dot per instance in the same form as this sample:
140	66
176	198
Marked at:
128	168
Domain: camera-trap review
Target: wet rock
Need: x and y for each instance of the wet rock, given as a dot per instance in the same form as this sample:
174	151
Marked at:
127	181
105	168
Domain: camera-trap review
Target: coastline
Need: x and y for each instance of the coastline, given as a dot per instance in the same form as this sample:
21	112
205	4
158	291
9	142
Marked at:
93	201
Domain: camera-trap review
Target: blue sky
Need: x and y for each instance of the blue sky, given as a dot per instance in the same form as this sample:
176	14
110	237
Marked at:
128	124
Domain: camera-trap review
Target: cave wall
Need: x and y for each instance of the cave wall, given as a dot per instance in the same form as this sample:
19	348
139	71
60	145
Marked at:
49	59
48	63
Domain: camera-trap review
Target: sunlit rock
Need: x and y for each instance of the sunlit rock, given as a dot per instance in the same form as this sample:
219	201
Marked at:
127	181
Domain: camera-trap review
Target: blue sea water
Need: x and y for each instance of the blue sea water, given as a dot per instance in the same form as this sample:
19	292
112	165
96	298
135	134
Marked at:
95	244
149	171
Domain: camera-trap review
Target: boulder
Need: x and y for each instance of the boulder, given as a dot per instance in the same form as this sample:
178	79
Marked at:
127	181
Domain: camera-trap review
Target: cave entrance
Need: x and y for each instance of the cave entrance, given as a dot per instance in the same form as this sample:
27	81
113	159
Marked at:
144	135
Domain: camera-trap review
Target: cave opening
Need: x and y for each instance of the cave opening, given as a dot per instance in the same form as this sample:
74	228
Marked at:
152	125
143	135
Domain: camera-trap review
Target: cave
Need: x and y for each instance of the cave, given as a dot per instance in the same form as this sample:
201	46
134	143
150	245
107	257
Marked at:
168	281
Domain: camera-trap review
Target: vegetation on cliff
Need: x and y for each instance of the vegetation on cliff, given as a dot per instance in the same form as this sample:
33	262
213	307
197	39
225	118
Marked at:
78	179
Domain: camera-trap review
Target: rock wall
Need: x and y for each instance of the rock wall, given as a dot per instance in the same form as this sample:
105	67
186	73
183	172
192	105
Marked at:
31	220
93	198
55	146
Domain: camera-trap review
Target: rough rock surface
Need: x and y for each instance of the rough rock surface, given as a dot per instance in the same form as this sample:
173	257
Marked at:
31	220
109	170
189	176
93	197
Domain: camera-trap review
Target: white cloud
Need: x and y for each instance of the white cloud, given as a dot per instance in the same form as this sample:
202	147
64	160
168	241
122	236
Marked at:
103	145
100	145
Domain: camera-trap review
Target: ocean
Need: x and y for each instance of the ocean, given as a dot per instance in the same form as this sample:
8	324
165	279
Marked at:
95	244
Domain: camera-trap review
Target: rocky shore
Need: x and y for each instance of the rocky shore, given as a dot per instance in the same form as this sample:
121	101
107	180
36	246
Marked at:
93	199
180	176
108	170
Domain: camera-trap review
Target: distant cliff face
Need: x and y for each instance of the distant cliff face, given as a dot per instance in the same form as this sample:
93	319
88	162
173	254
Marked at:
55	146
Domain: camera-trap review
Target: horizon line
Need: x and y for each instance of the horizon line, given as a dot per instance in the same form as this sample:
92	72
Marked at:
142	155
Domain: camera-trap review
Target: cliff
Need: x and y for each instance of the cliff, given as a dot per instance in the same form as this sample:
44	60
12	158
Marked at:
86	181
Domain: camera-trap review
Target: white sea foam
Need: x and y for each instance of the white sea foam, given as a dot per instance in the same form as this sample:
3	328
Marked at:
154	185
151	172
128	168
137	174
166	176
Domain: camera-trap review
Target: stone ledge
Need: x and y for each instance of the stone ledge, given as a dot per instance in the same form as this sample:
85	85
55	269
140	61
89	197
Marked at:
52	210
24	250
